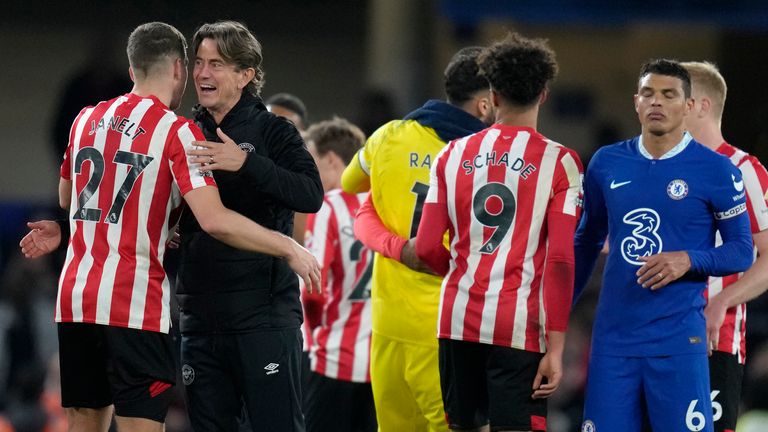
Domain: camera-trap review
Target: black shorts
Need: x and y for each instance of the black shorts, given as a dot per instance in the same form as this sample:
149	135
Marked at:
128	368
725	378
339	406
485	384
261	369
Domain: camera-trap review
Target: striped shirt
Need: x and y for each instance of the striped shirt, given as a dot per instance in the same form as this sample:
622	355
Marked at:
129	170
755	177
341	343
499	185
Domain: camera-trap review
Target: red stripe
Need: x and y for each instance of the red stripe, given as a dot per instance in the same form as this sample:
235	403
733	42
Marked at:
538	423
158	387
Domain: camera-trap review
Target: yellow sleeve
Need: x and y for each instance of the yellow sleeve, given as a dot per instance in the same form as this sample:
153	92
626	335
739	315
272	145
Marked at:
356	177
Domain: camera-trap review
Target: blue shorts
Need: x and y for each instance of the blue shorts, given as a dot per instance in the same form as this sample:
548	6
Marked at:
670	393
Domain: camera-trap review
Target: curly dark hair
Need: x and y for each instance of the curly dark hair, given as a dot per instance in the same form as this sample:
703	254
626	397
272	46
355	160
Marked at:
518	68
668	67
461	78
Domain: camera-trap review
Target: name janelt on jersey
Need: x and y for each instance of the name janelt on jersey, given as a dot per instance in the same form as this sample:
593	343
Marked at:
117	123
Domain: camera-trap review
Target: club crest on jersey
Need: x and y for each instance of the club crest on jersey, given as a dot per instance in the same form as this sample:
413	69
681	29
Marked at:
588	426
247	147
644	239
677	189
187	374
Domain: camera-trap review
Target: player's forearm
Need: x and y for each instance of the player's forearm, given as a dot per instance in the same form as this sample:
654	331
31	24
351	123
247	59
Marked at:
240	232
556	342
753	283
372	232
429	239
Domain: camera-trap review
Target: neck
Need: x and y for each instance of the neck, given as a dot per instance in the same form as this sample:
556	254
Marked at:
658	145
161	88
513	116
709	134
218	113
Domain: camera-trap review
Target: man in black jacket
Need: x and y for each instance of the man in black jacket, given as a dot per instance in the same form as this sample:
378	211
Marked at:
240	311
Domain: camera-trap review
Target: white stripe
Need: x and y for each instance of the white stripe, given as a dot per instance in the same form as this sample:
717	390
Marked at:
143	245
755	195
498	269
89	228
452	161
115	231
186	137
79	127
363	163
363	344
344	307
737	323
574	182
538	213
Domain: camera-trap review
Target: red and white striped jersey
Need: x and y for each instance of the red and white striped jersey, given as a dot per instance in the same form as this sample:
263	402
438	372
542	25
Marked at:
755	177
499	185
129	170
341	343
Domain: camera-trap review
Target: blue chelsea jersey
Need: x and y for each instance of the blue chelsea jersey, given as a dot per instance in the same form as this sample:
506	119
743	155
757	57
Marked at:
646	206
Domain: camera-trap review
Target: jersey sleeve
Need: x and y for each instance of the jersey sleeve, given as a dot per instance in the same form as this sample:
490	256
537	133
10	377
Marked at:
372	232
592	228
429	239
729	205
563	213
755	180
356	176
187	176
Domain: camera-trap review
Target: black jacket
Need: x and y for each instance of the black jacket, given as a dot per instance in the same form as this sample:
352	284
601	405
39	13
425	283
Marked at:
221	288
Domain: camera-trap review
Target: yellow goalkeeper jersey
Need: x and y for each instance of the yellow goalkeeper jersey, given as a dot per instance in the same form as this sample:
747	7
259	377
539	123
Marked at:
395	162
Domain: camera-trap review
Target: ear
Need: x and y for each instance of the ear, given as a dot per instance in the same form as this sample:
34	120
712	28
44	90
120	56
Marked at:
130	74
543	96
178	69
483	105
246	76
689	105
635	100
706	106
494	98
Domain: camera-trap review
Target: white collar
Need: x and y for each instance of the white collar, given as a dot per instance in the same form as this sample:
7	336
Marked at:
672	152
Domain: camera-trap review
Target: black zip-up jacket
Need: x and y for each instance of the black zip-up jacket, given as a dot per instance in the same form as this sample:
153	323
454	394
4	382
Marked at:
223	289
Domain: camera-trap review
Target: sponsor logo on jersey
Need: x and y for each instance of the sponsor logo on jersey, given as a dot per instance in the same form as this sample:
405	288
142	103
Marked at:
677	189
588	426
644	239
187	374
738	185
247	147
272	368
731	212
615	185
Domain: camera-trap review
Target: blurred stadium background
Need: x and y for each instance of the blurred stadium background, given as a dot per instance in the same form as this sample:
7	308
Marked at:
368	61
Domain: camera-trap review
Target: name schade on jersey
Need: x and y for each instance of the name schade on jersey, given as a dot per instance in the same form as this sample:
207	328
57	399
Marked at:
493	159
731	212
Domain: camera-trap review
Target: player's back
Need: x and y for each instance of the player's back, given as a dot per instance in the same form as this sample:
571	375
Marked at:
342	341
127	164
402	157
499	185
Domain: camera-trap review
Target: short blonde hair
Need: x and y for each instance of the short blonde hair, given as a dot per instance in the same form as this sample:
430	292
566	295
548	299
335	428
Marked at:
706	78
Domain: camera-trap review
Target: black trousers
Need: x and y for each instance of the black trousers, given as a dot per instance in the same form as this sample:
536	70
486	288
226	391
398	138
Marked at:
257	373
